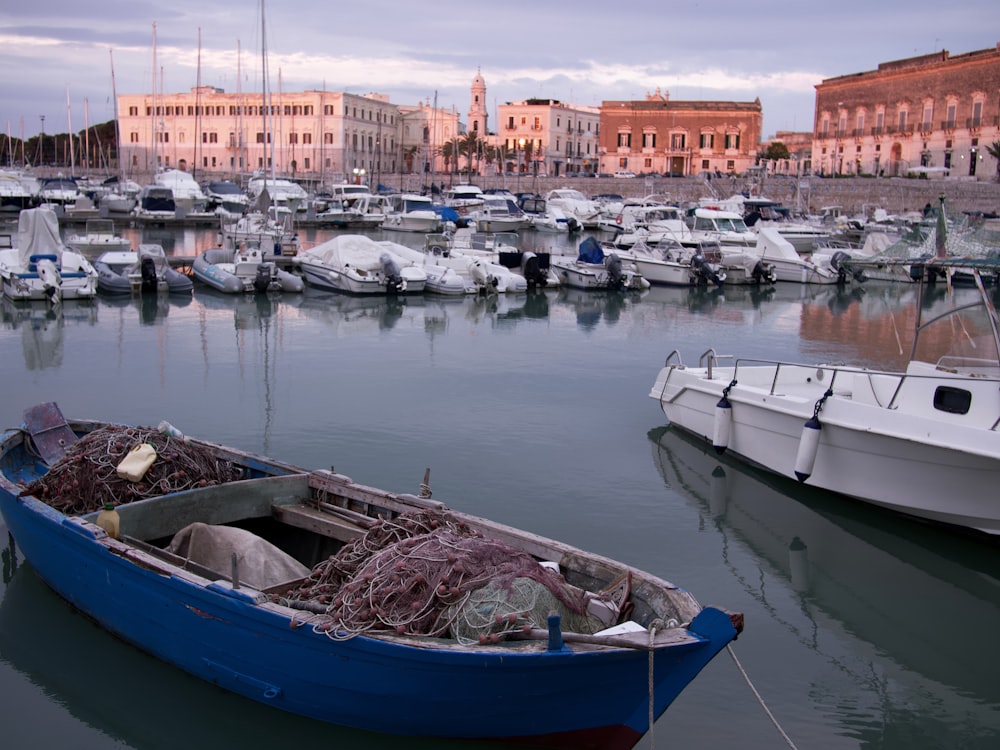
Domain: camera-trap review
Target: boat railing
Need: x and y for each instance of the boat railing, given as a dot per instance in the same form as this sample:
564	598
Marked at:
708	359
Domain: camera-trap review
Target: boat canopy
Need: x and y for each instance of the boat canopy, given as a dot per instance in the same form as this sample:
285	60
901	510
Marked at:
590	251
37	234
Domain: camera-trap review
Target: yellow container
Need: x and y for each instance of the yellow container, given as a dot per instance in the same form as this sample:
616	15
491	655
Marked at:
109	520
134	466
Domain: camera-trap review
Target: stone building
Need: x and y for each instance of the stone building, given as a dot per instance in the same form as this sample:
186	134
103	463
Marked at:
547	137
318	135
932	114
660	136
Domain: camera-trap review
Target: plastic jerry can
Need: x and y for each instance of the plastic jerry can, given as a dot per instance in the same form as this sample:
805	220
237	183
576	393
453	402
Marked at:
138	460
109	520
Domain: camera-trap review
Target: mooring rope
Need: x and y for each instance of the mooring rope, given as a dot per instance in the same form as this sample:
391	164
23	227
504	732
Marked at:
729	648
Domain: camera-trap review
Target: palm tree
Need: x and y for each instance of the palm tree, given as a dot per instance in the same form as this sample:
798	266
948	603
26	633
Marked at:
994	150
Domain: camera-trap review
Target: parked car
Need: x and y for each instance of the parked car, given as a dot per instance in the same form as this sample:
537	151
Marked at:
624	173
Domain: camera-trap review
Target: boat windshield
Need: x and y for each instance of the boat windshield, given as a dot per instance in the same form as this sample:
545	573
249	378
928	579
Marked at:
958	329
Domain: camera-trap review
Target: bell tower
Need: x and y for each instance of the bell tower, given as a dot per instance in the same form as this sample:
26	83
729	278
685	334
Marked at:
477	107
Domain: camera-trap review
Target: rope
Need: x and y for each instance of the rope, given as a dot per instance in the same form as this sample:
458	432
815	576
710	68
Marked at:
652	636
729	648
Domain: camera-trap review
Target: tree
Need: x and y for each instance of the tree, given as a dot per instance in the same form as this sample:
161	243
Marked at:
994	150
776	151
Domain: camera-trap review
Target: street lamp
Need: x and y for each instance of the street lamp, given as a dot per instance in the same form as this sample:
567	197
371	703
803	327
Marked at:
358	175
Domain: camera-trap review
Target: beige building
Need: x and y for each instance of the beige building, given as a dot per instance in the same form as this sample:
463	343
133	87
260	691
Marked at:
931	114
547	137
660	136
312	135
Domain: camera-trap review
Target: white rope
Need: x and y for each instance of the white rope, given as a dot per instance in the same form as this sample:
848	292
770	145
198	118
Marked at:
652	637
729	648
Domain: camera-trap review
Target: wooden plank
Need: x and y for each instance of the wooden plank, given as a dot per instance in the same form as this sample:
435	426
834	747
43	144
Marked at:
318	522
342	486
161	517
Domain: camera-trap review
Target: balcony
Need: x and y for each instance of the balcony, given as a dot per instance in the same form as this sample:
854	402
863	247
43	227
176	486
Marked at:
974	123
947	125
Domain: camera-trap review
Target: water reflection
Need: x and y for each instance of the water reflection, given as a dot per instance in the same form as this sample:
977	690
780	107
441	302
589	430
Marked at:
42	326
124	694
908	613
594	306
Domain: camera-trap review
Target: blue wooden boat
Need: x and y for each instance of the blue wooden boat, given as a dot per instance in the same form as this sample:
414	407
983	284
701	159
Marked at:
585	658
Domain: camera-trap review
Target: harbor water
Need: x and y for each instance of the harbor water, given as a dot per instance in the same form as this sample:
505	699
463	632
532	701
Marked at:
864	630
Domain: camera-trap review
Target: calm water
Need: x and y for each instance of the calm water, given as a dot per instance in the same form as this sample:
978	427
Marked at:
863	630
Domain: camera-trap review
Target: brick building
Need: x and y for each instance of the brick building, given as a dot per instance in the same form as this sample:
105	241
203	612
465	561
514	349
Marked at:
660	136
547	137
931	114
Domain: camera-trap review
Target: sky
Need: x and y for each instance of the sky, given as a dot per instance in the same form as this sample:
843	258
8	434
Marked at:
64	59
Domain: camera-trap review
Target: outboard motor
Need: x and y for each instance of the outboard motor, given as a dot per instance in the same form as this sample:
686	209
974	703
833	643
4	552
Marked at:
262	279
532	269
573	225
394	283
147	274
486	283
48	273
763	273
838	265
705	271
616	277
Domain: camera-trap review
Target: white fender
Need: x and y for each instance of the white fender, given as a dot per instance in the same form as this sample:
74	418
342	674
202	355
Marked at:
808	447
723	425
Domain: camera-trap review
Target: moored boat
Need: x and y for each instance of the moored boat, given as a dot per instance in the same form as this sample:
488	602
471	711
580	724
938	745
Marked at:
243	270
181	574
921	441
142	272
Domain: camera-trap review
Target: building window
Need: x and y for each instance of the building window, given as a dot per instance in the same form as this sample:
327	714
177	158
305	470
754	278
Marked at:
307	138
977	114
950	122
707	140
328	138
928	116
293	138
649	140
624	140
677	141
704	163
133	138
902	120
732	140
859	127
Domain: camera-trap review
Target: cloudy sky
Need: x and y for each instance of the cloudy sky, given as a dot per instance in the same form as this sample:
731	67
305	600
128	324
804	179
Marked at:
57	56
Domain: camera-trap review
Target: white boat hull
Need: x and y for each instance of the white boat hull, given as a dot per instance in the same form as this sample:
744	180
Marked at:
912	458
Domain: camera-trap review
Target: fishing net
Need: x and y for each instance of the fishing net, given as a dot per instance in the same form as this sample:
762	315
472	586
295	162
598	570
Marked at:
424	573
86	477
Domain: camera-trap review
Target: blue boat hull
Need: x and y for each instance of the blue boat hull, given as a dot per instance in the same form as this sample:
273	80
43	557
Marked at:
236	639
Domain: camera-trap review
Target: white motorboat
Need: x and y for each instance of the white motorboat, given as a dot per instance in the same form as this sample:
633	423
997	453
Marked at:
545	218
143	272
575	205
18	190
593	269
99	236
225	197
272	232
465	199
772	248
40	267
669	263
499	213
189	199
155	202
59	192
409	212
244	270
477	273
922	441
725	227
501	248
287	196
357	264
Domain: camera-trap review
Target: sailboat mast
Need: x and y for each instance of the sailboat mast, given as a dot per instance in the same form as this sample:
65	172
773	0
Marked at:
197	114
118	127
69	123
268	153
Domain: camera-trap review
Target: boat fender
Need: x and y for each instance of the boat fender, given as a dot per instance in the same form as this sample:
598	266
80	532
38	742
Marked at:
723	424
805	457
